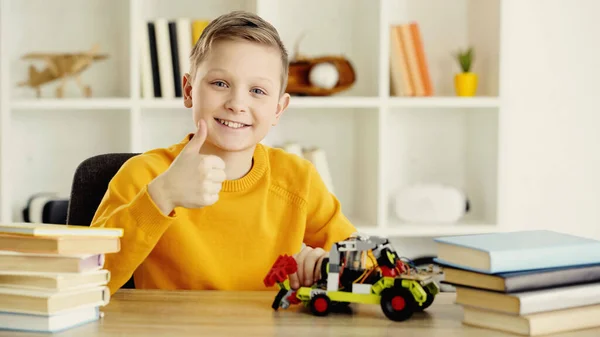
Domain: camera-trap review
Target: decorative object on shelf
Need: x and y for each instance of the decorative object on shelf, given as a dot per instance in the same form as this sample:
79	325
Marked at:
46	207
431	203
361	269
319	76
61	66
465	82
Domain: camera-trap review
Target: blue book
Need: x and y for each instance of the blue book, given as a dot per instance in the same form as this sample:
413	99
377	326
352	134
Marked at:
493	253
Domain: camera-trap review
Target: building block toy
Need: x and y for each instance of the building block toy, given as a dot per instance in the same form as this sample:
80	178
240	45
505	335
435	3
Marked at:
360	269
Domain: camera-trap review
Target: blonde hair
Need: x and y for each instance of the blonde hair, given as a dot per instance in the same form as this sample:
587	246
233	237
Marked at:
244	26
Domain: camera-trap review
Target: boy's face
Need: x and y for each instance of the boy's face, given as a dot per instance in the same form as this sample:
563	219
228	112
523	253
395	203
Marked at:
236	91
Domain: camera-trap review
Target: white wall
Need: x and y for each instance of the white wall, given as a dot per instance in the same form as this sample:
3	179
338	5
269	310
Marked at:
551	86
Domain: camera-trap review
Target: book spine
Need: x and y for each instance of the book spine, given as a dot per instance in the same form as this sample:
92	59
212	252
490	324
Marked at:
165	63
154	60
175	57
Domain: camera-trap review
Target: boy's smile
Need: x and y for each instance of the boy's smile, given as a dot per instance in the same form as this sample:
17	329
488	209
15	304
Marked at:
232	124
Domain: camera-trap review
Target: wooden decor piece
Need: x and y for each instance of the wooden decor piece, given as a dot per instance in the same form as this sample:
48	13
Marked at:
61	66
299	74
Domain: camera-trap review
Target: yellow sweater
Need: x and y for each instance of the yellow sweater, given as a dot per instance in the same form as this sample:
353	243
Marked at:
231	245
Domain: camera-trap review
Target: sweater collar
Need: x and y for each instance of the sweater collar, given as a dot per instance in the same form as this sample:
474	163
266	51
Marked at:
257	171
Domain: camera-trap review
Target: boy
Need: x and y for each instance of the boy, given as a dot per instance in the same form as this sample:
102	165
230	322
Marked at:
216	210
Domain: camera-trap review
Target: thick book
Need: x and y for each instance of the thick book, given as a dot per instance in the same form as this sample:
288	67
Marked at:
54	281
539	324
523	280
40	302
29	262
59	245
493	253
49	323
42	229
530	302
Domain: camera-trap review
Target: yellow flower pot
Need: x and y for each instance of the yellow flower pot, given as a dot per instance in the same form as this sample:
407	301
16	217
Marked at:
465	84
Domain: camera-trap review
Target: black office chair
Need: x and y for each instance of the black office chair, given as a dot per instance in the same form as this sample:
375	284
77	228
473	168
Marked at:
90	183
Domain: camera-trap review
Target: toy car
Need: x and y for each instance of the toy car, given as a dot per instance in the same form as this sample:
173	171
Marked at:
360	269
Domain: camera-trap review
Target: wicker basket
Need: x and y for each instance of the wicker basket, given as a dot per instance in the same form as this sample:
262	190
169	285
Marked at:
298	79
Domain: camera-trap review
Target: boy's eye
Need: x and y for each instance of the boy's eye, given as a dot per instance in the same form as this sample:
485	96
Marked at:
258	91
220	83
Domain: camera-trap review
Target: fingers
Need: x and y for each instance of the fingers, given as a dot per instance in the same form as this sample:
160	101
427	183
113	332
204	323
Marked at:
294	282
212	162
310	262
209	198
300	258
318	267
215	175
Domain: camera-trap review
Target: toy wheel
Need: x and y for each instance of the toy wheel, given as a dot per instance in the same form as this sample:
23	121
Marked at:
320	305
397	304
428	301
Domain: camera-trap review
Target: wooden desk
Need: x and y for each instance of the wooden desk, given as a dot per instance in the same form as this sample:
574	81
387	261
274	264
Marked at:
180	313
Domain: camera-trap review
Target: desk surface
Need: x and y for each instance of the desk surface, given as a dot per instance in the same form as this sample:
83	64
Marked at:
210	313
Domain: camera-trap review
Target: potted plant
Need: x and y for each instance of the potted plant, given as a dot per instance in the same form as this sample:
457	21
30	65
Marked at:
465	82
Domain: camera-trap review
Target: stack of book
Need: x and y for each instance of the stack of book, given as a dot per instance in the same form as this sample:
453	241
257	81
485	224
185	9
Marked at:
52	276
525	282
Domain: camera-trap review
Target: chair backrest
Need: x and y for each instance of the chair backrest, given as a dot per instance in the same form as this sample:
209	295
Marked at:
90	183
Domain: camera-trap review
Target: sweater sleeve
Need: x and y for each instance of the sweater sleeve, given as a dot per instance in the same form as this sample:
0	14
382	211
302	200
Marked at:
127	205
326	224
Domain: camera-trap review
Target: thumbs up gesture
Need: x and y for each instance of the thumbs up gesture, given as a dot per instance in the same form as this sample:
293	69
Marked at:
193	180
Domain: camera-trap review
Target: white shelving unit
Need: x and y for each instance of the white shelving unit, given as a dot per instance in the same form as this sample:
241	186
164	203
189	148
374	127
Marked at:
375	143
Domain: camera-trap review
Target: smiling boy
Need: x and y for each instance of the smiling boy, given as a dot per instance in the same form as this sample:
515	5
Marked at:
216	210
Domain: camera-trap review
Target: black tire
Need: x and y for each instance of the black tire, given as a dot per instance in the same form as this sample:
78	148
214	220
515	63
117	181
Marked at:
428	302
398	304
320	305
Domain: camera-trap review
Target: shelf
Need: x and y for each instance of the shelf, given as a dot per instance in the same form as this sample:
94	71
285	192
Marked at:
409	230
160	103
444	102
334	102
72	103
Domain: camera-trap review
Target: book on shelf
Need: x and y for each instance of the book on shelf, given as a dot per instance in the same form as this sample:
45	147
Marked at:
524	282
52	277
165	48
409	70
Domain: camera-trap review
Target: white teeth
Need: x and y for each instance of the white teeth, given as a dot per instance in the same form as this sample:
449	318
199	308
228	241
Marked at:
233	125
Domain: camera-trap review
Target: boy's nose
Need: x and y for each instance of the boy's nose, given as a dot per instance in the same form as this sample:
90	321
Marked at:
236	104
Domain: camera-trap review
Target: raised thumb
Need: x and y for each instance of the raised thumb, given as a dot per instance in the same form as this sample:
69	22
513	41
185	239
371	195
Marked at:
200	135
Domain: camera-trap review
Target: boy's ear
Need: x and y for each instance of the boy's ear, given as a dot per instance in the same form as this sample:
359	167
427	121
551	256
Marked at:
186	85
284	101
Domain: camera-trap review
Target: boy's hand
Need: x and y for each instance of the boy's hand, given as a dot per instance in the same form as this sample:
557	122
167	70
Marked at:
193	180
309	262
